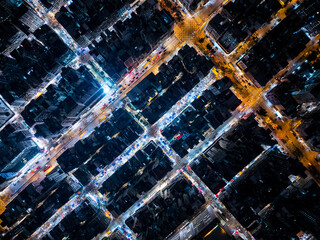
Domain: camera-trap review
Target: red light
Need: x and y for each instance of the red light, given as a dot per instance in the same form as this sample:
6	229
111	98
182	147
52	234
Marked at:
180	136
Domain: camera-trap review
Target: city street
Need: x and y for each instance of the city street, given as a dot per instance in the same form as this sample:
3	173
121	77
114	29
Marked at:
188	31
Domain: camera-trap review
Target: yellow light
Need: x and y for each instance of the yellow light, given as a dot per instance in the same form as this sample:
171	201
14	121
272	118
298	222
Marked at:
222	230
210	231
2	207
49	170
83	133
39	94
231	66
146	64
226	2
186	175
107	213
182	43
214	71
103	118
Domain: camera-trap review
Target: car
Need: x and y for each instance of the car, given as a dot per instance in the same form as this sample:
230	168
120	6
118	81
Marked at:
33	171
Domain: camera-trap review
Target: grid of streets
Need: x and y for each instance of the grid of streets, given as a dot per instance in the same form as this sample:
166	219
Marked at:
186	101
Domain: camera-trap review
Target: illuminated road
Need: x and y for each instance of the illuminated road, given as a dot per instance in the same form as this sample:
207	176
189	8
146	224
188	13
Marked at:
87	123
179	164
281	126
253	98
128	153
190	30
261	32
91	119
140	143
228	220
50	20
144	139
